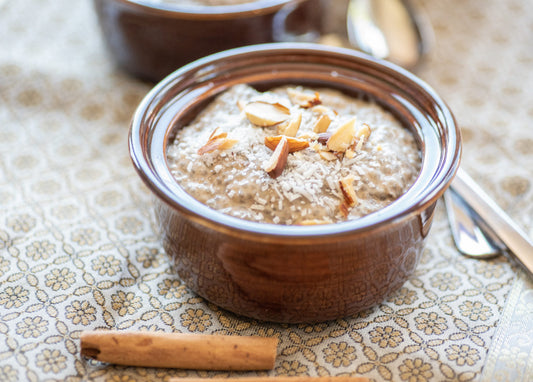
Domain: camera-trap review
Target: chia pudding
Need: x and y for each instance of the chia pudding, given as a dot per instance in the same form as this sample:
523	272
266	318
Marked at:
294	155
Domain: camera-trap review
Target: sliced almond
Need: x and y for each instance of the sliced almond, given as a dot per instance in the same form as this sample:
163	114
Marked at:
345	210
327	155
363	131
321	109
290	127
349	153
295	144
342	138
214	135
316	222
217	144
241	105
275	165
361	136
348	192
305	100
310	136
322	124
266	114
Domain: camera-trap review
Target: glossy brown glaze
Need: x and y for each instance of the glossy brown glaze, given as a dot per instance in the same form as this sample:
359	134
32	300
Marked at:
151	40
294	273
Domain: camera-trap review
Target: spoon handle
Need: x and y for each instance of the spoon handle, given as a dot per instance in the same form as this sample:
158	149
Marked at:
503	226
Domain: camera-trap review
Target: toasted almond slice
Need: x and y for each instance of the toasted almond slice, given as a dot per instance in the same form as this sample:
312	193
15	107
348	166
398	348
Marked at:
344	209
227	143
295	144
363	131
322	124
290	127
310	136
327	155
348	192
214	135
216	144
275	165
342	138
241	105
321	109
349	153
266	114
360	142
305	100
316	222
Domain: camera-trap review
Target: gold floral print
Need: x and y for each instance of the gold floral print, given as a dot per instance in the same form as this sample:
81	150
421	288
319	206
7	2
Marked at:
21	223
445	281
125	303
109	198
8	374
171	288
68	211
291	368
85	236
315	328
32	327
196	320
475	311
4	267
150	257
489	270
430	323
403	296
339	354
13	297
129	225
121	378
386	336
106	265
40	250
81	312
462	354
150	328
51	361
60	279
415	370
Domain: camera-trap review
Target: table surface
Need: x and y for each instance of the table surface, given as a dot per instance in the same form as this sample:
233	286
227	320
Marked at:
79	249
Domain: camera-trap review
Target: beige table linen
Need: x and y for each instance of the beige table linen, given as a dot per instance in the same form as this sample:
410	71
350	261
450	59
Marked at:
79	250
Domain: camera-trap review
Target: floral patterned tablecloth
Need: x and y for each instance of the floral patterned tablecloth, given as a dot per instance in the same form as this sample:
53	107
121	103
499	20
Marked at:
79	250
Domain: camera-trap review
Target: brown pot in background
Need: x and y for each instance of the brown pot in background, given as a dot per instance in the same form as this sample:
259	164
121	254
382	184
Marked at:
151	39
294	273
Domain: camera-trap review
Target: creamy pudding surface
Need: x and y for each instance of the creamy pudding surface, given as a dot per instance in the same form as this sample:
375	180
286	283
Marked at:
294	155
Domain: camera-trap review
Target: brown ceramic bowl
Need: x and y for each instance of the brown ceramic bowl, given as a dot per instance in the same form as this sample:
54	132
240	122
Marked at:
151	39
294	273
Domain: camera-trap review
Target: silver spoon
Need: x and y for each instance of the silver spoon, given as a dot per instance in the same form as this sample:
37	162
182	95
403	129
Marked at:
470	233
392	30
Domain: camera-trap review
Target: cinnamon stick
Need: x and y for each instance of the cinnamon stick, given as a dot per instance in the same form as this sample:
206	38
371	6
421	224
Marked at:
180	350
302	378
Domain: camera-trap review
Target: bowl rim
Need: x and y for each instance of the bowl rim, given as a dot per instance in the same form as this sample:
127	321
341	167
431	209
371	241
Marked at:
211	12
210	218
